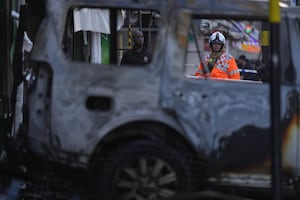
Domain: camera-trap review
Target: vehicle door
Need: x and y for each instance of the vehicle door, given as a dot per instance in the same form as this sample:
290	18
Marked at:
80	84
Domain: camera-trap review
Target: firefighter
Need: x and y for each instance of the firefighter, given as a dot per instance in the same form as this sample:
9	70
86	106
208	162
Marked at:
219	63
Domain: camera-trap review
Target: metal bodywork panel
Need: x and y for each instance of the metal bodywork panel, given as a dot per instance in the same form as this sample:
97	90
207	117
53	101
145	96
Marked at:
228	121
231	120
61	125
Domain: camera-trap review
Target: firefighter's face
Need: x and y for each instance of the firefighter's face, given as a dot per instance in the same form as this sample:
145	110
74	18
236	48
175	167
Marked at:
216	47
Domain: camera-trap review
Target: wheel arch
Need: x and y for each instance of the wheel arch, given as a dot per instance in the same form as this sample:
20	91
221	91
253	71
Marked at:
136	130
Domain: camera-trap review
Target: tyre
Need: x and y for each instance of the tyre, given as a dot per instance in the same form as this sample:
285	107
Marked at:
144	169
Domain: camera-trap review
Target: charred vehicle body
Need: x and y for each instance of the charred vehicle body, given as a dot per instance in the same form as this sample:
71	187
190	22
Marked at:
156	130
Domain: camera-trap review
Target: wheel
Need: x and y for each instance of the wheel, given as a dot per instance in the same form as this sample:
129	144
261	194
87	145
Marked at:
144	169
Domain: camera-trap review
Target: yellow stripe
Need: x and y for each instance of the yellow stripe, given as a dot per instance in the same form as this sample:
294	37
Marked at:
274	11
265	38
129	36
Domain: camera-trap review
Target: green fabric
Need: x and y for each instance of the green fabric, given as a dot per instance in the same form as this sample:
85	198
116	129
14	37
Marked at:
105	48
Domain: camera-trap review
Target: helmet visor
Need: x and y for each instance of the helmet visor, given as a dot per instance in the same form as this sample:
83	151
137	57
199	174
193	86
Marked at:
217	42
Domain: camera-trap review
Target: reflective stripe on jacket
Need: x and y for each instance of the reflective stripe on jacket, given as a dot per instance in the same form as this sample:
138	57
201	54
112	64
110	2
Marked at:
224	67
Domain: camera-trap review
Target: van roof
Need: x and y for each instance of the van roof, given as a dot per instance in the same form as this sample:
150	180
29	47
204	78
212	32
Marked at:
252	9
229	8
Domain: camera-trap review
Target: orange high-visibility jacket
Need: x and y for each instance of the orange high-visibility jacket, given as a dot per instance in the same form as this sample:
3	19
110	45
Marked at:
225	67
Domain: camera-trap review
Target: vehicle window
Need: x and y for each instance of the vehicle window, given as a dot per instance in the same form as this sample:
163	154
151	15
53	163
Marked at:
239	42
103	35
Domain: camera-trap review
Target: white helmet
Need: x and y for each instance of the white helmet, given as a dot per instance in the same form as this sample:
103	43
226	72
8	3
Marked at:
217	37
